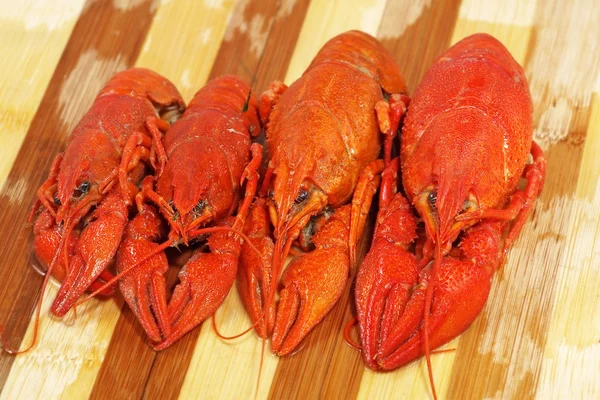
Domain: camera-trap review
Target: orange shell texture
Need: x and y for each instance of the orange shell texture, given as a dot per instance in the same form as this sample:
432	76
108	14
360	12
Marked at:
469	127
324	124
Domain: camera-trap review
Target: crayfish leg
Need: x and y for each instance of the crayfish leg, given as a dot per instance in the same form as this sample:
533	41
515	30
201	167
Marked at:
255	273
389	114
367	185
268	100
136	149
46	190
521	201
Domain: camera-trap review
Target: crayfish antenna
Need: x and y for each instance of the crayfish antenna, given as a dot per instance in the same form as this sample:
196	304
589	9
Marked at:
38	309
428	300
347	338
162	247
223	337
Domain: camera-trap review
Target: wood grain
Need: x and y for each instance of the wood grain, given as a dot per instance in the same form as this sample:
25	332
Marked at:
511	345
539	334
416	32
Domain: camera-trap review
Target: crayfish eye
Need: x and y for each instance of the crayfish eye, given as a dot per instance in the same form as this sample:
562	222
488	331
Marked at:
302	196
82	189
271	194
432	197
198	208
57	201
175	214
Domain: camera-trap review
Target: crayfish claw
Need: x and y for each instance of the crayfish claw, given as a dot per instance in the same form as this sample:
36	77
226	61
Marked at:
254	272
205	281
97	245
312	284
383	291
144	287
460	291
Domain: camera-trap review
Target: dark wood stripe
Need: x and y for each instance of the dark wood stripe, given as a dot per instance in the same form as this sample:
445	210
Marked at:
160	375
327	367
421	42
102	33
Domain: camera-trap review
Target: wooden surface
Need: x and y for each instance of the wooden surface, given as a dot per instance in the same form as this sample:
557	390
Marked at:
539	334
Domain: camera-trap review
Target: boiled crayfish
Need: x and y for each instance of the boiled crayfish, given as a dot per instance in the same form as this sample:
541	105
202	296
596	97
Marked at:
465	145
323	137
207	159
84	203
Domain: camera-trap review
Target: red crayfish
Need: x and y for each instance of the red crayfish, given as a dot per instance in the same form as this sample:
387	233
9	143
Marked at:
323	140
207	156
464	148
83	206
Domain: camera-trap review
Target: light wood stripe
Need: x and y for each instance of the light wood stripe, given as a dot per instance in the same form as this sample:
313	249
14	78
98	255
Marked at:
326	19
40	31
510	22
571	355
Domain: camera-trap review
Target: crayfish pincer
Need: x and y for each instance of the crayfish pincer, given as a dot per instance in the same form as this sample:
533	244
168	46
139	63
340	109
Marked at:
465	145
324	137
208	156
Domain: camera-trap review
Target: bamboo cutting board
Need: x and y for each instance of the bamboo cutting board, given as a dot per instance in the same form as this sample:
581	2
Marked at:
539	334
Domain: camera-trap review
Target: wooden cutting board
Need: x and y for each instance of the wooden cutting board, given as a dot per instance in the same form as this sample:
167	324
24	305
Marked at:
539	334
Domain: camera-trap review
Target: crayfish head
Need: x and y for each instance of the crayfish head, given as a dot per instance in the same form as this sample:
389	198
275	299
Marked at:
184	225
293	200
82	175
439	211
